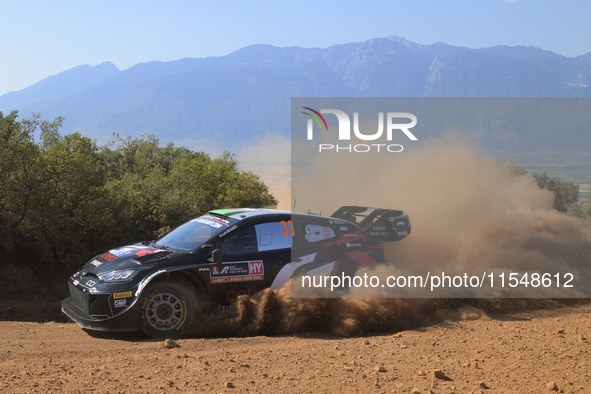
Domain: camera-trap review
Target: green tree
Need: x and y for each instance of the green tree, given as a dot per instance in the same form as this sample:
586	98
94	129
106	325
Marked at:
581	211
20	175
565	193
64	199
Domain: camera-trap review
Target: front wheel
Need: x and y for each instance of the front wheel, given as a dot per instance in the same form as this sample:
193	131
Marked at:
169	309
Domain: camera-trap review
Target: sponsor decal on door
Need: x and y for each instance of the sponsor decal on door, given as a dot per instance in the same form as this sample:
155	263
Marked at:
241	271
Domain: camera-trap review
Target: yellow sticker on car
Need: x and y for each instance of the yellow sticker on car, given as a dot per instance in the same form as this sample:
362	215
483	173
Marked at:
125	294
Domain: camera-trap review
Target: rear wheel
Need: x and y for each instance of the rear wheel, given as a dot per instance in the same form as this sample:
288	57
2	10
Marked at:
169	309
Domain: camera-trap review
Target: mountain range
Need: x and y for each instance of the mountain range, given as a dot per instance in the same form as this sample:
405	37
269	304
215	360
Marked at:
248	92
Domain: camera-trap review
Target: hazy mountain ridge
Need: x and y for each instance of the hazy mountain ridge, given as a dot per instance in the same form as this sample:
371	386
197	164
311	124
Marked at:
248	92
61	85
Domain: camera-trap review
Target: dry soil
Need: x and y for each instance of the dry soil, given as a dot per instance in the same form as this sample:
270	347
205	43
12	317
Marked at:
526	352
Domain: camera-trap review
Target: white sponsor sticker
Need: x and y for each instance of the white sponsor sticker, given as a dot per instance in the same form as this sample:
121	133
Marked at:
96	263
120	303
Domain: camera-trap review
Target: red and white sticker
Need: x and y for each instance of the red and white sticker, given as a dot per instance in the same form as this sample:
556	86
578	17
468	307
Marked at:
241	271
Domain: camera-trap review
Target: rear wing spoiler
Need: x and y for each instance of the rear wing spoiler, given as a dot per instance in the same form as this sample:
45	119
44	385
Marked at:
378	225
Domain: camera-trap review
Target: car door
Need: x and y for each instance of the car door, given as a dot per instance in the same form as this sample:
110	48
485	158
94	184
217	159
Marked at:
251	258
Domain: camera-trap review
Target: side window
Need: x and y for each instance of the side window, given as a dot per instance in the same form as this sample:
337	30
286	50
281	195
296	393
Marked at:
241	242
259	238
274	235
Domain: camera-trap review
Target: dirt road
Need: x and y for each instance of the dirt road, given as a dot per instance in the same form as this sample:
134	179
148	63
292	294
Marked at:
526	352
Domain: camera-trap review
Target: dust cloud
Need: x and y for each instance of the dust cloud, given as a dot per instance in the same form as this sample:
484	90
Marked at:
275	312
468	215
270	159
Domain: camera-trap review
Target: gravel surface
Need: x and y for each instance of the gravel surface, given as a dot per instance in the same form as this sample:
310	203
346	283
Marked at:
526	352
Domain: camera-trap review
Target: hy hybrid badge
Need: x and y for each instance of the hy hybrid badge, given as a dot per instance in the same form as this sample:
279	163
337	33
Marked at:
345	130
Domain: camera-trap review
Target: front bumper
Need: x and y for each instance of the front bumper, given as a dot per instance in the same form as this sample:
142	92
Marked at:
126	321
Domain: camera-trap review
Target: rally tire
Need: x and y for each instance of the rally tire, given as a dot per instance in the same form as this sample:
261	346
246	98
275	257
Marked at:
169	309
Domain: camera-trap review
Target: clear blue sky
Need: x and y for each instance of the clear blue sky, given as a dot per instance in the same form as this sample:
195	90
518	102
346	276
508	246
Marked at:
44	38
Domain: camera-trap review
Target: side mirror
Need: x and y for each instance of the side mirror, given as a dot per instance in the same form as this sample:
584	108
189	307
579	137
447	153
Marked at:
216	257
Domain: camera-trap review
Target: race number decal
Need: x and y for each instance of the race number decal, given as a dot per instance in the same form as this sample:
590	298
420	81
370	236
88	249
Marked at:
287	228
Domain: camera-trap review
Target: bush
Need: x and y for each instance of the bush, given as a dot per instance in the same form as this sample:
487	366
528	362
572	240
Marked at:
565	193
15	279
64	199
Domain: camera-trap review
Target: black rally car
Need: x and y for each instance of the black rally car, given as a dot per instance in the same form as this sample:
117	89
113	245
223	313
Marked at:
202	266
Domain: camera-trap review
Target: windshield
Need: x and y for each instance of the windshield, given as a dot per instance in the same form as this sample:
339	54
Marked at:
193	234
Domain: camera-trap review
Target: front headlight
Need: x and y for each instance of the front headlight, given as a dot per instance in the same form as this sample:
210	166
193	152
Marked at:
118	276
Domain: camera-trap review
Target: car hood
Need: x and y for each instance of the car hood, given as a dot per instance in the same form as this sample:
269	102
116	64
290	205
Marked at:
131	256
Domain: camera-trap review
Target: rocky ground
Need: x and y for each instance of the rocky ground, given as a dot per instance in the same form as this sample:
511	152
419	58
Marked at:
526	352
